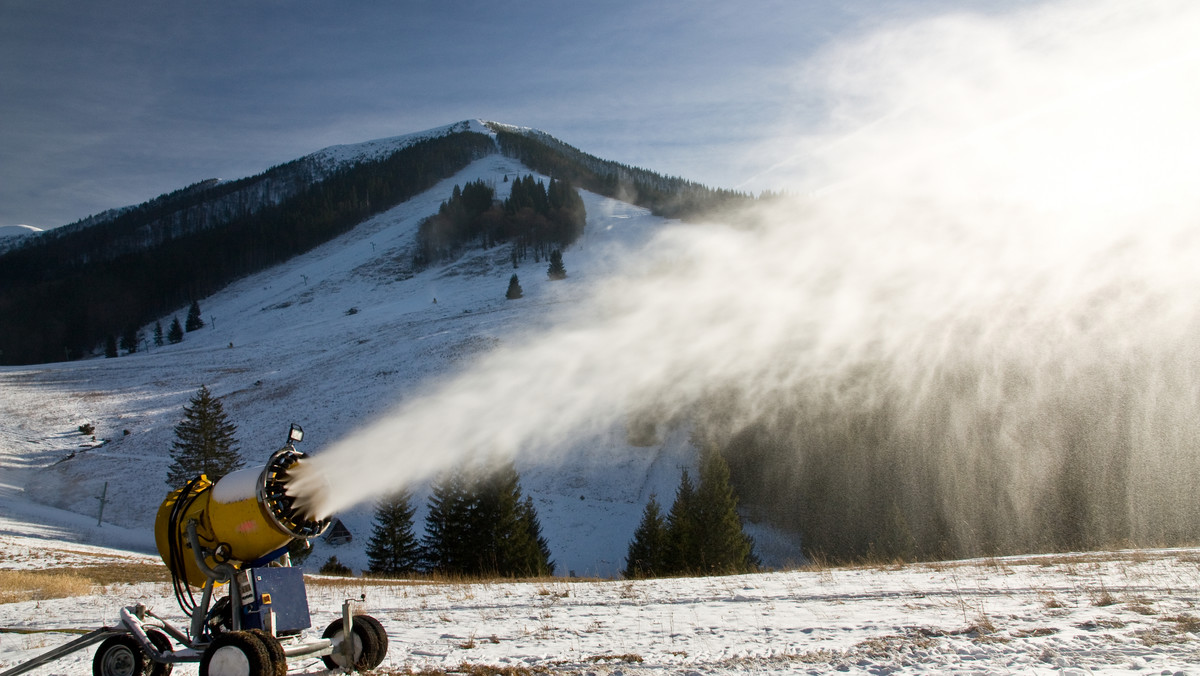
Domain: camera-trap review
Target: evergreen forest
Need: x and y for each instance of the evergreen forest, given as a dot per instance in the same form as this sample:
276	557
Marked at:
533	219
63	293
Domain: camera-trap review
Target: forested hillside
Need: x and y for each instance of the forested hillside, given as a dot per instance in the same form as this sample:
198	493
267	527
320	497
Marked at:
670	197
67	292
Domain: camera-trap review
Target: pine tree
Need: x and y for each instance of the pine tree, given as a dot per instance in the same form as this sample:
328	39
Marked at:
514	289
175	333
681	551
445	546
204	442
537	556
110	347
130	339
194	321
556	270
393	549
503	537
158	334
647	550
483	526
721	545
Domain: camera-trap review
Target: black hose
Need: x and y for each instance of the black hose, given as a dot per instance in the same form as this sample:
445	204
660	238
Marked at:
175	547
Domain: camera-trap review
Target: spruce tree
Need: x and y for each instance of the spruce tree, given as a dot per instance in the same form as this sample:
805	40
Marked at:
480	524
537	556
556	270
110	347
446	547
204	442
721	545
647	550
393	549
681	550
130	339
507	532
175	333
158	334
194	321
514	289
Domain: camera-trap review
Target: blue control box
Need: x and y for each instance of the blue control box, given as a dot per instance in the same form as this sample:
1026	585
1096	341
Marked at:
273	595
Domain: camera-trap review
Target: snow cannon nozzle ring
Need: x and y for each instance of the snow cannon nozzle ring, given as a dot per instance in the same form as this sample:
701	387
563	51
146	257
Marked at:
280	506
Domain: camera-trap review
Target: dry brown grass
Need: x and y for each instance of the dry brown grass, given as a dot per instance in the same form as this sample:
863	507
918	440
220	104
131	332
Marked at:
1185	623
627	658
56	583
122	573
38	585
468	670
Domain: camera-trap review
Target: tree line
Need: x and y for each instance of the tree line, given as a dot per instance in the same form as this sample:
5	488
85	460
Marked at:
479	524
670	197
700	535
534	219
62	295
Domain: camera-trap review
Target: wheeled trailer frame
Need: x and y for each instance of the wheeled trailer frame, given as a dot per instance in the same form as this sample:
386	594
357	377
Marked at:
141	644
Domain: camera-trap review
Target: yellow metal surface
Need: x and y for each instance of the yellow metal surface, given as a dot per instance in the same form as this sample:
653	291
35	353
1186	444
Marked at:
243	527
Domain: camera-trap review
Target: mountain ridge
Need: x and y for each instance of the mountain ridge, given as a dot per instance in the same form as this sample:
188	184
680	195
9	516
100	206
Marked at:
63	292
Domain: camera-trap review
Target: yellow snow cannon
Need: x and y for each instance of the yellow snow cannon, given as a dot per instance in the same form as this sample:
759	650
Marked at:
246	519
233	533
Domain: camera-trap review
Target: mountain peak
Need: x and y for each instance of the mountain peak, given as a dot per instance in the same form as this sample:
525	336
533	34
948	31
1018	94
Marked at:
335	156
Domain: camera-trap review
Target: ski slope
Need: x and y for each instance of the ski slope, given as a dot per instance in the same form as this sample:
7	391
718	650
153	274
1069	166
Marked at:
332	340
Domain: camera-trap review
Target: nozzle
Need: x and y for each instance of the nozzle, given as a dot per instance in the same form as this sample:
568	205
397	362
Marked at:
282	508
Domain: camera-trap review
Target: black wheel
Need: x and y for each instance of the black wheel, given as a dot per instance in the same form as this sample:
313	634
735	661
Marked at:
220	617
369	641
119	656
274	650
163	644
236	653
381	639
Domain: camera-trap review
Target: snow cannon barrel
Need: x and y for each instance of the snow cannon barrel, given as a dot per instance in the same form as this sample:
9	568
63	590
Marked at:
245	519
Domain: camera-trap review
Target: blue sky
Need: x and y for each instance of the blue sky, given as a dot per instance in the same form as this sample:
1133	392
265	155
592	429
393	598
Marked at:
108	104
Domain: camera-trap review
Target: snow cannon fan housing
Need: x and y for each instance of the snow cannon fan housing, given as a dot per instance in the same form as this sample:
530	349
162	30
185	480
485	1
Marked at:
245	519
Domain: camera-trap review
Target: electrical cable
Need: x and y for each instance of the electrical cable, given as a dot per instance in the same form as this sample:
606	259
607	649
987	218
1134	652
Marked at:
175	547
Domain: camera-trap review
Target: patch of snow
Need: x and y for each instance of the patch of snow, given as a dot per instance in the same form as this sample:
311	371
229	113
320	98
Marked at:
18	230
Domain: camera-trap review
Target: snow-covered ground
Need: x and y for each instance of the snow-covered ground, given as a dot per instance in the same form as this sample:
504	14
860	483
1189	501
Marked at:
333	340
1098	613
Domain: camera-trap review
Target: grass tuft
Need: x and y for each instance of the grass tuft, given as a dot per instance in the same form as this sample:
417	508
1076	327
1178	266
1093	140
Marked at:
39	585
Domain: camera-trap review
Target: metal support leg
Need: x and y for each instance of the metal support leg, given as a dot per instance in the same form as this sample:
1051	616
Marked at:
78	644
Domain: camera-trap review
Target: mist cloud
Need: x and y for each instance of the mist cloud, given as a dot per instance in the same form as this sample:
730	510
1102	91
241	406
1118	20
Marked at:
988	264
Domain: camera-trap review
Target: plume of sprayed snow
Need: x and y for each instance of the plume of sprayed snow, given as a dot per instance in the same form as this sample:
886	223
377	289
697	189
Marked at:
998	216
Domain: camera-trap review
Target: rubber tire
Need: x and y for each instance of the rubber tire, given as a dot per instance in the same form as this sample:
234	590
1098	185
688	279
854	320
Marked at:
370	643
163	643
381	639
274	650
236	653
119	656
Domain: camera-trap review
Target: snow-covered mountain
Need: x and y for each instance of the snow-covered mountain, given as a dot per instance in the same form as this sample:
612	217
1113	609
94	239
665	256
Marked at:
332	340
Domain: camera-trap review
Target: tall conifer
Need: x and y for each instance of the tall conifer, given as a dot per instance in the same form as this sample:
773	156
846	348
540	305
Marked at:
446	546
647	551
204	442
175	333
393	549
721	545
194	321
681	551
